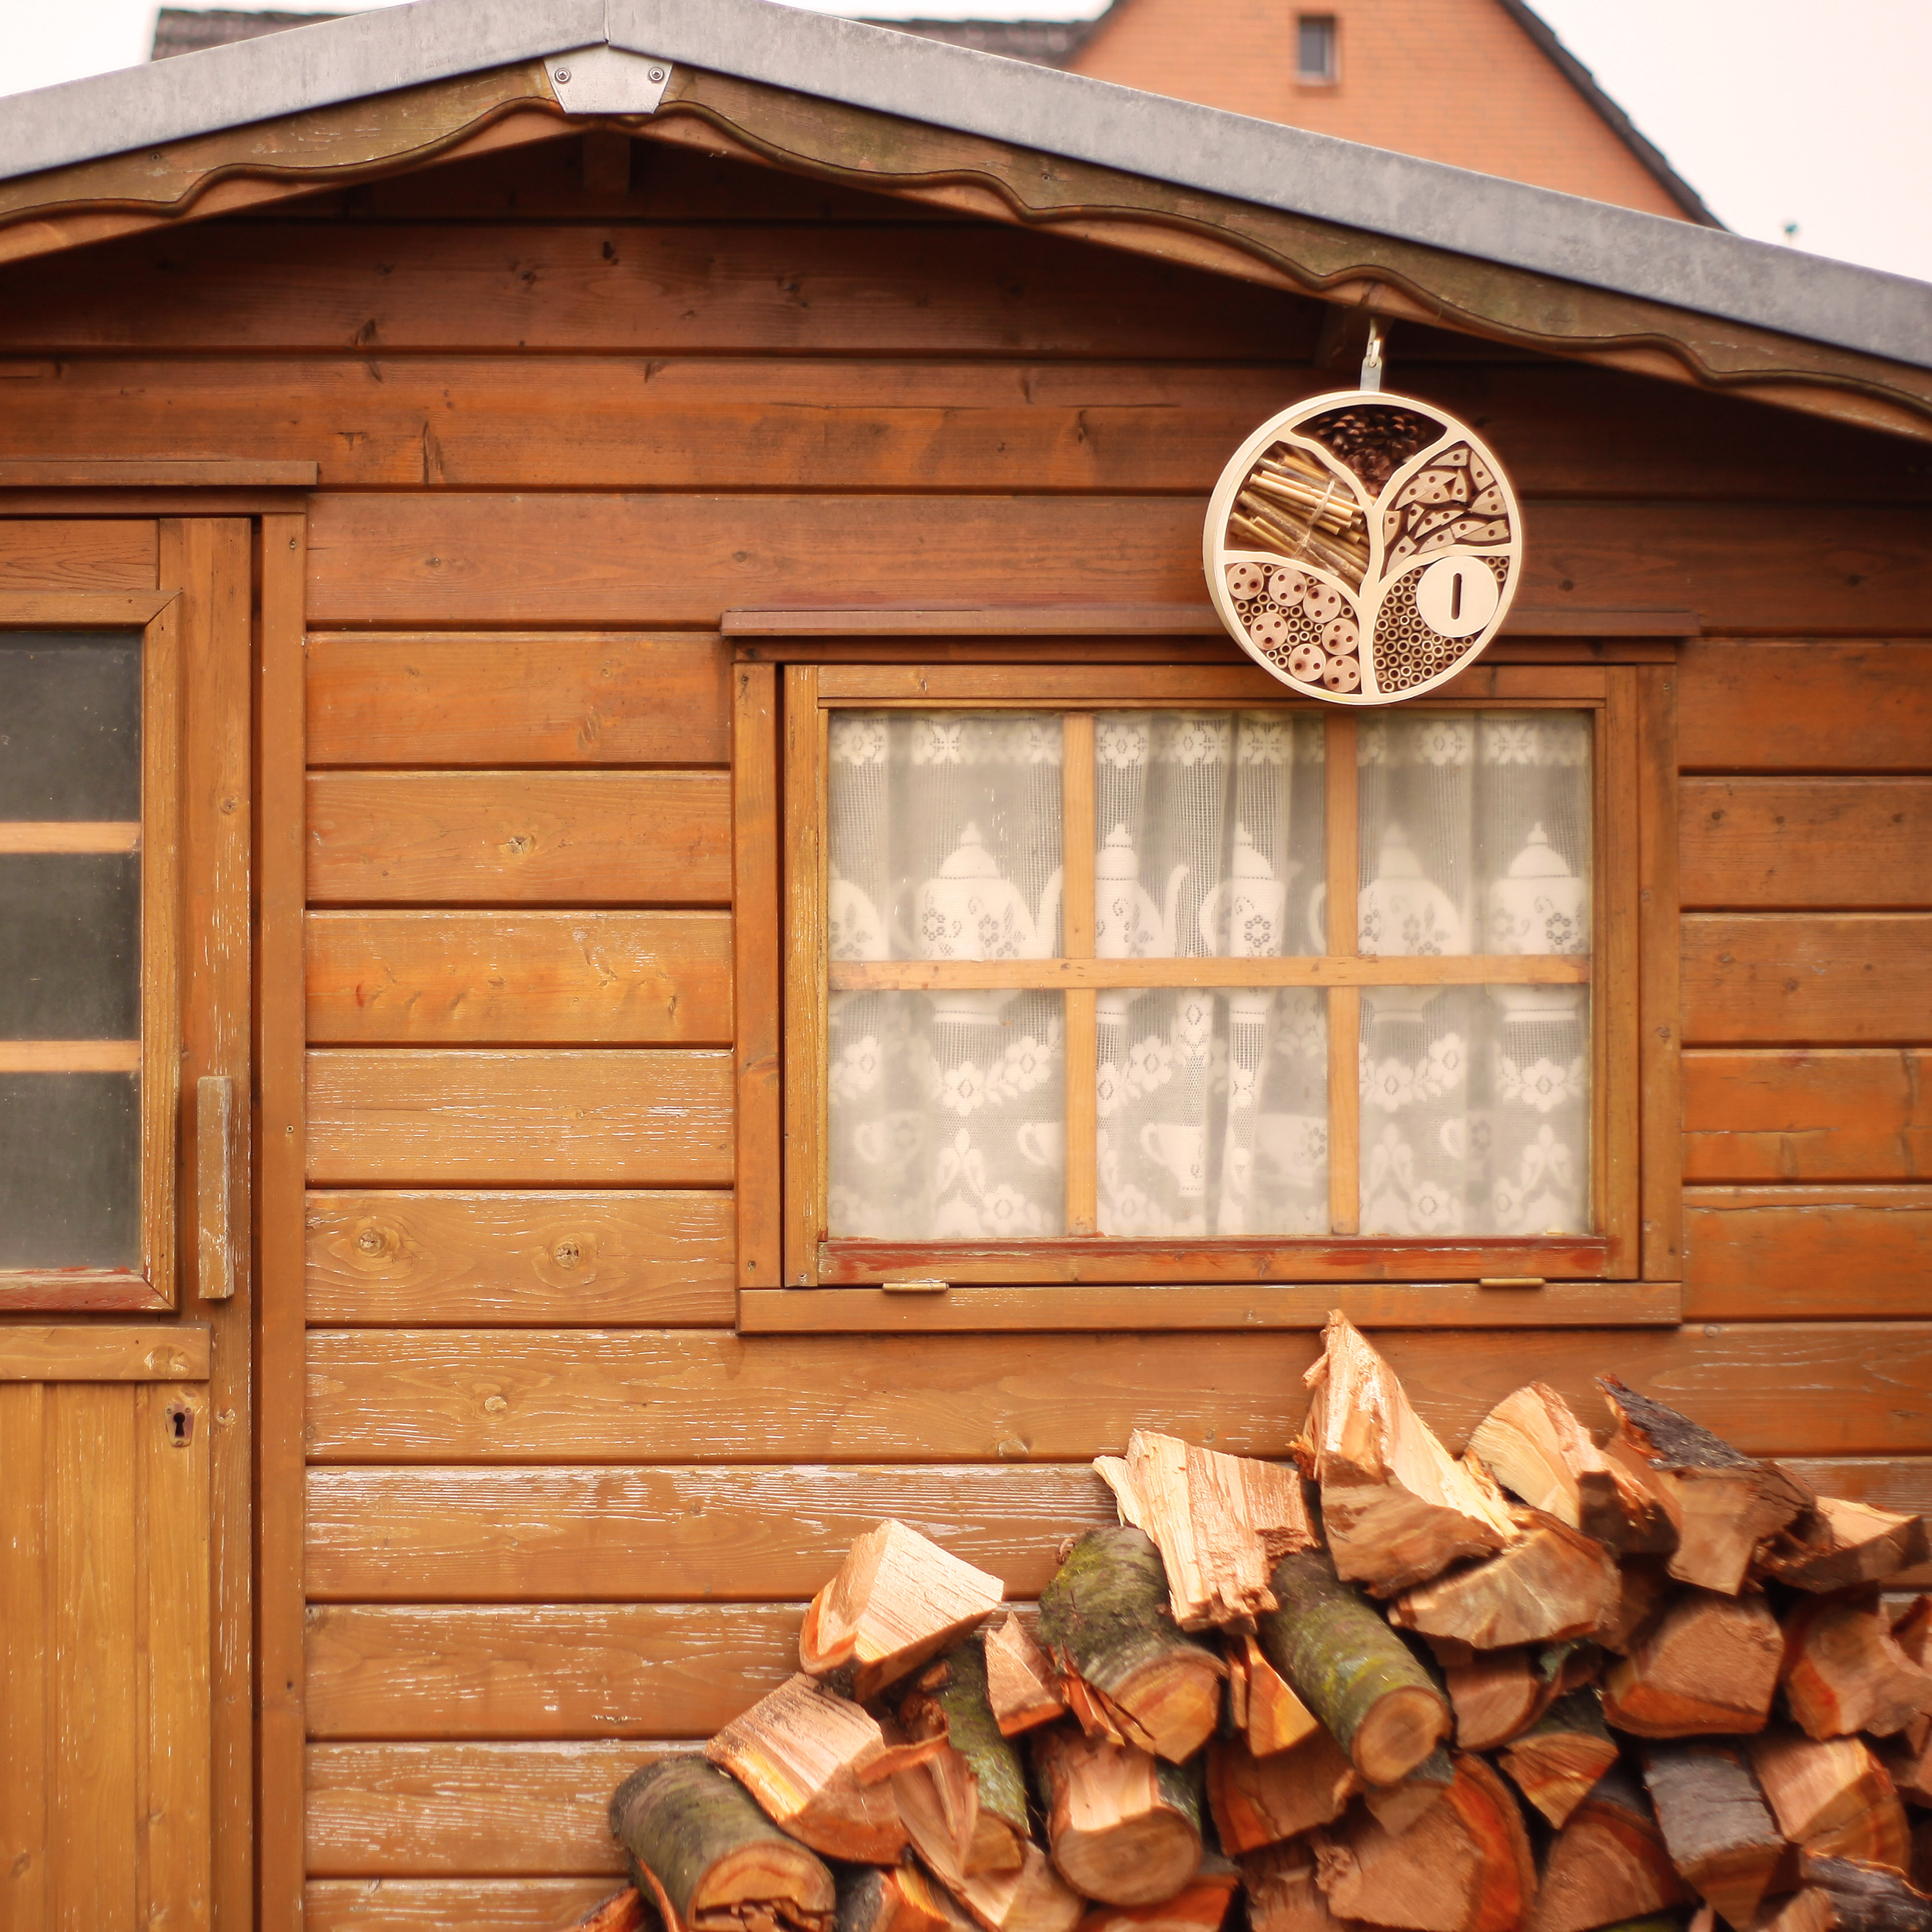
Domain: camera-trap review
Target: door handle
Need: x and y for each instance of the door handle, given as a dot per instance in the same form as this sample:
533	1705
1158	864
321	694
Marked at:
214	1128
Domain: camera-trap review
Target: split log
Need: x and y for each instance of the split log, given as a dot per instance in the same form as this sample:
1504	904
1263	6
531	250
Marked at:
1533	1443
1029	1897
977	1775
1868	1898
712	1861
1200	1906
1272	1717
1912	1631
1104	1619
897	1599
1123	1827
1832	1796
1558	1761
1395	1807
1221	1523
1719	1831
1496	1696
1352	1671
901	1899
1260	1800
1806	1910
1552	1583
1396	1507
623	1911
1907	1757
1724	1504
1844	1671
1282	1892
1643	1591
1607	1865
816	1761
1709	1667
1464	1866
1019	1679
1921	1874
1837	1545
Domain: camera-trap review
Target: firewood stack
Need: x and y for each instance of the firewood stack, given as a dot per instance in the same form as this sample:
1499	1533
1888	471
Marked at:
1547	1685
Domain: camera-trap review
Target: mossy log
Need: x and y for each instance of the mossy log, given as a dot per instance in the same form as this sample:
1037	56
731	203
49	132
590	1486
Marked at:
1105	1620
979	1774
1352	1670
713	1861
1122	1827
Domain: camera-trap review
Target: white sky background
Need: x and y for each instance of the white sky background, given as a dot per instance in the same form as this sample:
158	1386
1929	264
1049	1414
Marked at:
1811	111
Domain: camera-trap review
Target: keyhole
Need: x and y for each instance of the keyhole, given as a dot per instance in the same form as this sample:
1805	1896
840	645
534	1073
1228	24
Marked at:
181	1424
1455	596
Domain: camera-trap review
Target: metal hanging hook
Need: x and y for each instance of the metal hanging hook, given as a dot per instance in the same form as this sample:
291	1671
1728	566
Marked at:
1371	360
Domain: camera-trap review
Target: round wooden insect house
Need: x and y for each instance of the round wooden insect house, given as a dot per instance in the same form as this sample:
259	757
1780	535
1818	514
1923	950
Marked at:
1363	547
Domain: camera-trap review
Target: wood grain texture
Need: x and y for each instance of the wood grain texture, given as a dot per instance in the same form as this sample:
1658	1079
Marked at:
1809	706
1902	1483
1659	1050
519	698
629	290
380	1811
434	1905
803	725
27	1622
1748	842
1813	1252
637	1670
76	555
573	1258
608	979
1824	979
756	973
691	421
606	1396
760	1533
676	559
78	1351
1808	1114
585	838
519	1117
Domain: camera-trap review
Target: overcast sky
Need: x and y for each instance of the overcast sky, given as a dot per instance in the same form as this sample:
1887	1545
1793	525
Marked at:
1777	111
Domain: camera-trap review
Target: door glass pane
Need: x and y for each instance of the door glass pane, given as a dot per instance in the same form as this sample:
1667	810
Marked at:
70	949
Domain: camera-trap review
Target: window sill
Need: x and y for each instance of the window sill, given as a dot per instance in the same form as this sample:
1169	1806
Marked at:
988	1310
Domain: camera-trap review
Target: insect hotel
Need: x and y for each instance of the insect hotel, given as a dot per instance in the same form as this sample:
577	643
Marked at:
874	928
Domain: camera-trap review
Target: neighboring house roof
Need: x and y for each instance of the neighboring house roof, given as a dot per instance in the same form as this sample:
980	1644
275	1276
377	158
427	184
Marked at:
1267	164
189	30
1045	43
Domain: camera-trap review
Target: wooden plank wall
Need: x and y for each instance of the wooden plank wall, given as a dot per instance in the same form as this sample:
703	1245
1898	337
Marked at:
559	1514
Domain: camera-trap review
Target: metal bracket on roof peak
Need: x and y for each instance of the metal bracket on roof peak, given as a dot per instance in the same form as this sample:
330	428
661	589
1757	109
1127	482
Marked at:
607	80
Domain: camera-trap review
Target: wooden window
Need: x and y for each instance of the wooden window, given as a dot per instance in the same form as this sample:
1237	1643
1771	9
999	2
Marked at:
90	1032
1387	1034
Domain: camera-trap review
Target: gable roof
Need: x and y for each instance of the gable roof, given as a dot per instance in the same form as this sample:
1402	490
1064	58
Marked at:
1600	246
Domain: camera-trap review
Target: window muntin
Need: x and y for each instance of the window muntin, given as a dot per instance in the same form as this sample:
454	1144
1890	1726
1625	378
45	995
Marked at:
966	1101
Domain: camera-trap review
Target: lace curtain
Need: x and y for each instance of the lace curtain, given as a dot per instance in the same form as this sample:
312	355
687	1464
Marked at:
1475	837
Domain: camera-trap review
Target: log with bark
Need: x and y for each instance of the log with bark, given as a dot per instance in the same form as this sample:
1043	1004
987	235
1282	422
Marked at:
710	1858
817	1763
1558	1761
1464	1866
1352	1671
623	1911
1832	1796
1837	1545
1608	1864
1868	1898
1105	1621
1720	1832
1258	1802
1019	1678
897	1599
1122	1827
1221	1524
1029	1897
1497	1695
1552	1583
1533	1443
1708	1667
1200	1906
1261	1702
1724	1504
975	1770
902	1898
1396	1507
1845	1671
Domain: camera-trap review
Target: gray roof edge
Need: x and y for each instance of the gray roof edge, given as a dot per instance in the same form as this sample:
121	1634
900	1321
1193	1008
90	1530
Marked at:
1593	243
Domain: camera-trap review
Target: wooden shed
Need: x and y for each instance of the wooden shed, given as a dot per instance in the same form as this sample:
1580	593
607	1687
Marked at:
507	508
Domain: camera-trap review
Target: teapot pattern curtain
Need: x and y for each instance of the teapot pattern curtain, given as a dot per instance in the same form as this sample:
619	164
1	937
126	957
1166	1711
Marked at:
1475	837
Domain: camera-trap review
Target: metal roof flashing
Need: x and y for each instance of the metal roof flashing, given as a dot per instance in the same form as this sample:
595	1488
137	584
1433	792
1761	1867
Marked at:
1593	243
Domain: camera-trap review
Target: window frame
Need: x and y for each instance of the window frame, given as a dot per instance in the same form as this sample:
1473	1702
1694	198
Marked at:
1331	76
810	1260
150	1286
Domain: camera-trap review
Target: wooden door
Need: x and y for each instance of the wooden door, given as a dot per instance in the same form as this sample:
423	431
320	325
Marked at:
125	1253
